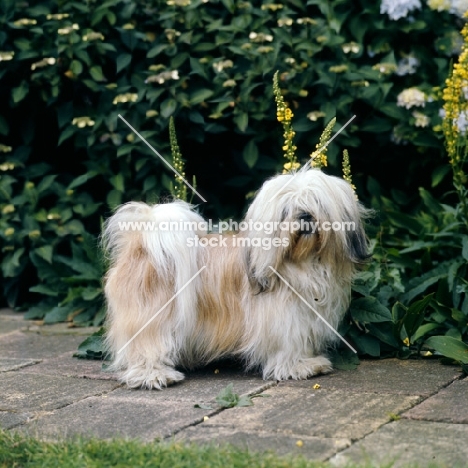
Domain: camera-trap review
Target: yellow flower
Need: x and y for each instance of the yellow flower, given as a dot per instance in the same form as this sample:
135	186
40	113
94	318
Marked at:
406	341
319	156
317	386
299	443
284	115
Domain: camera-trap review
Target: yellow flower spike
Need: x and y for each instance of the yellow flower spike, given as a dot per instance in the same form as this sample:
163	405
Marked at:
347	169
455	122
319	156
180	189
284	115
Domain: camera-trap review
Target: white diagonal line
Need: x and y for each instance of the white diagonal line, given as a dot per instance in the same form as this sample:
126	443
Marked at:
318	152
157	154
313	310
161	309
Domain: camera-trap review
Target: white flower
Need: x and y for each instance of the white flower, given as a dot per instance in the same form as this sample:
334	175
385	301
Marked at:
459	7
315	115
163	76
461	122
442	113
407	66
421	120
221	65
43	63
260	37
411	97
397	9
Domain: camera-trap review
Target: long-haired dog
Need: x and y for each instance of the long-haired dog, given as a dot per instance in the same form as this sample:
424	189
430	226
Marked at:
264	305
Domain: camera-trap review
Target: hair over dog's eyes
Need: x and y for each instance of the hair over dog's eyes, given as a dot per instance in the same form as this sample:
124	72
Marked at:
307	224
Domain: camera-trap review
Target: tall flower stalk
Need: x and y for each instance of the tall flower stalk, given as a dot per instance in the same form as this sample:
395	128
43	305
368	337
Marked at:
455	123
319	156
284	115
180	189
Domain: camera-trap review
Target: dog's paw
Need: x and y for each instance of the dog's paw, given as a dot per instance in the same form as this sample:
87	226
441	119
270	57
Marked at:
307	367
156	378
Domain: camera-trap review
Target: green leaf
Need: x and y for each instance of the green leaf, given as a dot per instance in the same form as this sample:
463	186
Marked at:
368	345
44	289
250	154
369	309
242	121
117	182
123	60
76	67
419	285
415	314
92	347
11	265
202	406
96	73
57	314
66	134
45	252
4	127
80	180
345	359
245	400
168	107
465	247
449	347
423	330
200	95
19	93
438	175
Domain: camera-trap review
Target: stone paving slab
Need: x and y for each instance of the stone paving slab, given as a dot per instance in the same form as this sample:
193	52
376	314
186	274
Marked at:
394	376
21	392
315	448
336	417
68	366
449	405
410	443
144	414
9	364
9	420
107	417
36	346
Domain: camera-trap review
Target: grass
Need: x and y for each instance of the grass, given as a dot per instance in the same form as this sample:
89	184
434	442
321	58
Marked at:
21	451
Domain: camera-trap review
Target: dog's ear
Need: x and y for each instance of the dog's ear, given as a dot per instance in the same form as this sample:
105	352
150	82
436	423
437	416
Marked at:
357	243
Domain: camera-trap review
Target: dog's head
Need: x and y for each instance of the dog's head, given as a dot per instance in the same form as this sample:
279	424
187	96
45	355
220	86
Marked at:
308	217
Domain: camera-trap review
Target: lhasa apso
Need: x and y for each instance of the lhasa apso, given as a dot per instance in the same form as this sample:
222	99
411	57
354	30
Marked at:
272	294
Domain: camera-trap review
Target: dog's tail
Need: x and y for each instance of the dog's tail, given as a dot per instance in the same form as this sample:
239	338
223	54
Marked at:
154	261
